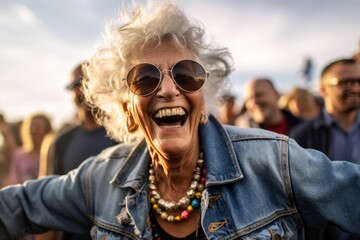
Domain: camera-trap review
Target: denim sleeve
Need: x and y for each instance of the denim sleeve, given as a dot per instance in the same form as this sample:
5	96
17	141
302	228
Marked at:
54	202
324	190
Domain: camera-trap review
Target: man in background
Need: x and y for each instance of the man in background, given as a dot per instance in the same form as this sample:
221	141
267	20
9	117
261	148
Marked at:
86	138
336	130
262	110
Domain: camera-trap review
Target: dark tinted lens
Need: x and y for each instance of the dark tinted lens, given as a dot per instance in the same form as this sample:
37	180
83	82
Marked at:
189	75
143	79
348	82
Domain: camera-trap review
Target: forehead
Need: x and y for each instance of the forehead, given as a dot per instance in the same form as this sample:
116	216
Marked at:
38	121
342	71
164	55
259	86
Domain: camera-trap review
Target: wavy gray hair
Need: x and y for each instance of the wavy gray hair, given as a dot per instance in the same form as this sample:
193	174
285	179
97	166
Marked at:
130	34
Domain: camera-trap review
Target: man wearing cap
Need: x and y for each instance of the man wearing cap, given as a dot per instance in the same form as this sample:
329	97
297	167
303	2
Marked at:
81	141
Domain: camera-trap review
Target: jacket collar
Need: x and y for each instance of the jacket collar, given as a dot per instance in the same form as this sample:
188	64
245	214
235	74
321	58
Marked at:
134	171
221	162
222	165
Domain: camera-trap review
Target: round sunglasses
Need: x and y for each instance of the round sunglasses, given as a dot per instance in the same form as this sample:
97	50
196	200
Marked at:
145	78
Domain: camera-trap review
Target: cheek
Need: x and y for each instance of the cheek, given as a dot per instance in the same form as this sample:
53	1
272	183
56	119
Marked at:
139	107
198	103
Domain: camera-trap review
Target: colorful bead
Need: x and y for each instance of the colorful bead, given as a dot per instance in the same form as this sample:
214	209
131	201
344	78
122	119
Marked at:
195	203
171	218
190	208
198	195
201	187
161	206
159	210
164	215
184	215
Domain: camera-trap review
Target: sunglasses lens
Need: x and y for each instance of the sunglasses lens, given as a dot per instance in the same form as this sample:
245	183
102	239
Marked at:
143	79
189	75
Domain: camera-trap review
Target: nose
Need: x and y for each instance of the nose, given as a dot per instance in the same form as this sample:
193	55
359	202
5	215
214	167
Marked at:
167	87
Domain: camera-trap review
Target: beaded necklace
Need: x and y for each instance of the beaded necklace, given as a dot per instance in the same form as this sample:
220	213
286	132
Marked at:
188	203
158	233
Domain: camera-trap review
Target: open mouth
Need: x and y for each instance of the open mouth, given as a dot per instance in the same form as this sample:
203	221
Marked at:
170	117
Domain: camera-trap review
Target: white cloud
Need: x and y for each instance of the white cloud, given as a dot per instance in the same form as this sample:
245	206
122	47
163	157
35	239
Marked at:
24	14
36	65
37	52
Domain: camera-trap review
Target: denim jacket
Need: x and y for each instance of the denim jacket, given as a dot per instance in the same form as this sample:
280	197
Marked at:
259	185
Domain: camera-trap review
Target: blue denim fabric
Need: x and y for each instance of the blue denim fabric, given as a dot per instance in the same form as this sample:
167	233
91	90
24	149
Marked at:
260	185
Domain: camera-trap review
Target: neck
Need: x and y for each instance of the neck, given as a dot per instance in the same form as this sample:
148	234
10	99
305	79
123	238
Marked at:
345	119
276	118
174	177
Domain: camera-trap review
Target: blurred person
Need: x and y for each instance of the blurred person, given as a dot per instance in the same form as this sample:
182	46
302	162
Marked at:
301	103
75	144
262	110
336	130
86	138
46	165
180	173
228	111
25	160
357	54
15	127
7	148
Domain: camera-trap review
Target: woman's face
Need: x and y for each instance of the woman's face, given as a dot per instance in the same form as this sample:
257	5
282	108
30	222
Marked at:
169	117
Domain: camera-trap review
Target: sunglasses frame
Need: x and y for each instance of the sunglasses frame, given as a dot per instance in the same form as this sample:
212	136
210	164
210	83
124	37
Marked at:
168	71
343	83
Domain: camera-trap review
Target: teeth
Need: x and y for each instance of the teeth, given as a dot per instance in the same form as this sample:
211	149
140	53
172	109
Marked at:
170	112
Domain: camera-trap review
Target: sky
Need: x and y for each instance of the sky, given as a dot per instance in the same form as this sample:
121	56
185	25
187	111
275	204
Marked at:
41	41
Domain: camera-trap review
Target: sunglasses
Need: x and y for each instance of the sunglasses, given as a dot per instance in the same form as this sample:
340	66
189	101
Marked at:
76	83
145	78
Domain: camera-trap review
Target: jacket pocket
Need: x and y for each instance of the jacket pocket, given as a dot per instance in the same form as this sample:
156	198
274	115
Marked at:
277	230
98	233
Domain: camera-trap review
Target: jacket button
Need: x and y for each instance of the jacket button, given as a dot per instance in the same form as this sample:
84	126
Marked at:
276	237
212	202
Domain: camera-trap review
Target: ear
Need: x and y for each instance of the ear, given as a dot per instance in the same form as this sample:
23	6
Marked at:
322	91
203	114
125	107
203	107
131	125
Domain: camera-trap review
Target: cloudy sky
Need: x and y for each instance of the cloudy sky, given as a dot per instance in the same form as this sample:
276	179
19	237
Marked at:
41	40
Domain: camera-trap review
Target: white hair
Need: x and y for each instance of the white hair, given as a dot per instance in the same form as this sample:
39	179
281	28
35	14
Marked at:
130	34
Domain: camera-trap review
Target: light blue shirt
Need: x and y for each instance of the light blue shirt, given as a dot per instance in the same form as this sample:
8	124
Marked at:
345	145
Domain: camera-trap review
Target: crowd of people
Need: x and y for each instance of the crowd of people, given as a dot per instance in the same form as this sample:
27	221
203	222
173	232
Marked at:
42	150
153	152
328	122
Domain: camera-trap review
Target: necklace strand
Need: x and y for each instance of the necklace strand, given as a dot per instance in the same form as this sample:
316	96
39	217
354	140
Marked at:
188	203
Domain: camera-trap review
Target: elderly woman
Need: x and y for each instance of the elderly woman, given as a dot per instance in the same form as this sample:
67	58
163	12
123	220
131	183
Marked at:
180	174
